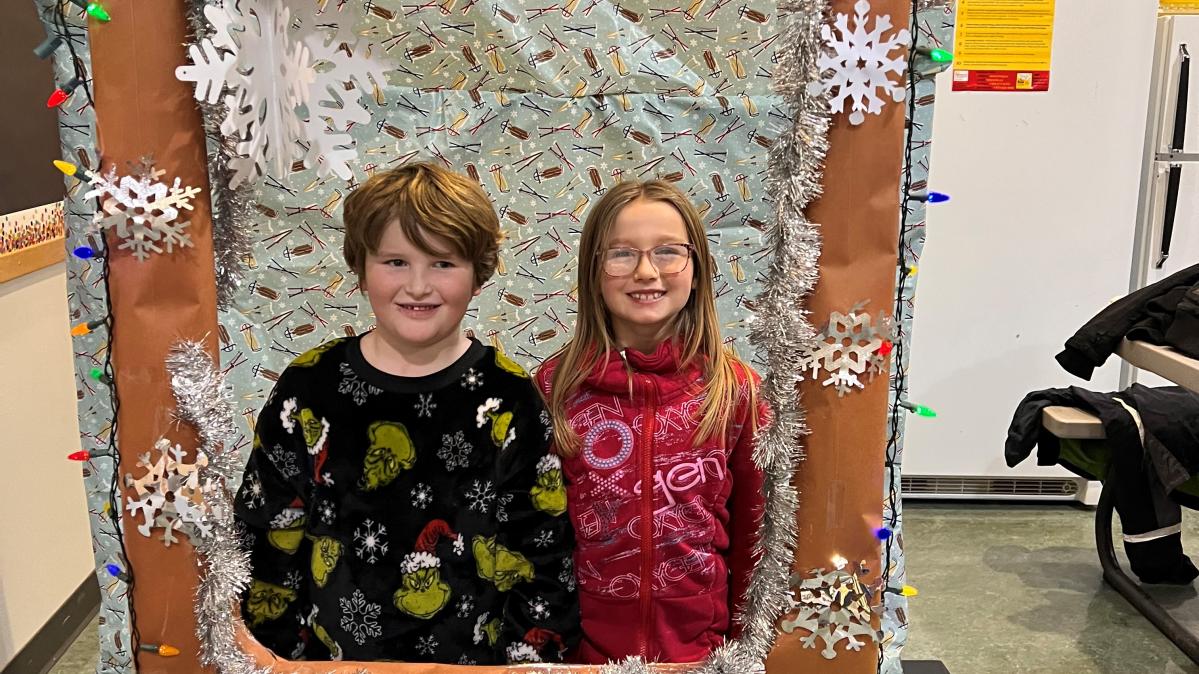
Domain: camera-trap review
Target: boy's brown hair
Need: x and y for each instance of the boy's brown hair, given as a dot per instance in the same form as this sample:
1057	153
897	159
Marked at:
425	200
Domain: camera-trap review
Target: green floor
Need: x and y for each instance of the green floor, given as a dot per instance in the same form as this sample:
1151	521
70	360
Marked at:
1004	589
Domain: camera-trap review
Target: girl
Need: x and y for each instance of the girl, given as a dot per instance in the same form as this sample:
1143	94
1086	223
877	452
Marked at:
654	421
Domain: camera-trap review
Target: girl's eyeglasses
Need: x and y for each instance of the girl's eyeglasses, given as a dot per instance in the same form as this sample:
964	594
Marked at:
669	259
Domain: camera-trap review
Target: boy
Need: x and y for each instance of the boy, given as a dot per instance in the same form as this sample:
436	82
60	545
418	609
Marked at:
401	502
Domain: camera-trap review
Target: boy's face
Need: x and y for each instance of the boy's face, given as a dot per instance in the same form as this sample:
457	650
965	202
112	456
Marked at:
418	299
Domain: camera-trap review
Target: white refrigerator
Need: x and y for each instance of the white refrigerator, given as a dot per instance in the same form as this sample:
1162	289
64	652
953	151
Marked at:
1045	226
1167	237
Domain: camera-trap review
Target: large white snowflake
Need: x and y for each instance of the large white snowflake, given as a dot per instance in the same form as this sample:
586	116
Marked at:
861	64
360	618
169	494
141	211
372	541
852	345
283	78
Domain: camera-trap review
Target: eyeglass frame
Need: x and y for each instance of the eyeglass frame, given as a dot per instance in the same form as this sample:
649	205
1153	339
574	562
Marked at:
642	252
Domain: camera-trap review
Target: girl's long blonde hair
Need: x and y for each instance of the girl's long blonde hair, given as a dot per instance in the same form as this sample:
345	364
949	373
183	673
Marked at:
696	328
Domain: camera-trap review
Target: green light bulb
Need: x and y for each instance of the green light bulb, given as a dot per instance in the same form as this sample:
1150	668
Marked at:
97	12
923	411
940	56
96	373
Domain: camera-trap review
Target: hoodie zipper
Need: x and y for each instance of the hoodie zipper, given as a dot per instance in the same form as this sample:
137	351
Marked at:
647	513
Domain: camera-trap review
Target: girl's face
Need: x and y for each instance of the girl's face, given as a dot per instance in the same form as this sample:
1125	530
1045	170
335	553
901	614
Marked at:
643	304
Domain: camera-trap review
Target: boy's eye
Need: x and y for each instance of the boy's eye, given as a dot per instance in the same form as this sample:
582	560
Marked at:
396	263
444	264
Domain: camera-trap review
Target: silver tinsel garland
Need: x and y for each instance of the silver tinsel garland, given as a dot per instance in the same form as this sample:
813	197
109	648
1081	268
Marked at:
200	392
781	332
231	207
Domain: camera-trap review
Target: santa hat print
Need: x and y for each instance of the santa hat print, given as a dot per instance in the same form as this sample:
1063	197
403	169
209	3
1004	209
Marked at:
424	554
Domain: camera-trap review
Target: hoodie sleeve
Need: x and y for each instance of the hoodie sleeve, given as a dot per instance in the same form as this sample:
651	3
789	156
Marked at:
541	611
745	502
270	509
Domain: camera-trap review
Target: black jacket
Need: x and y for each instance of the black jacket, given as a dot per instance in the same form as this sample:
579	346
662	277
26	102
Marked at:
1165	313
1153	437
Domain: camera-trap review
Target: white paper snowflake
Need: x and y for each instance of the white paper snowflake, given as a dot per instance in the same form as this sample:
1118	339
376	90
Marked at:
455	450
354	387
360	618
142	212
850	346
372	541
169	495
544	538
860	63
832	606
481	494
327	512
270	66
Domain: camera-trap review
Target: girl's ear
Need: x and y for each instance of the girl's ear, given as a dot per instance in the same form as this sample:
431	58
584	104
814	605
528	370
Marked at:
478	291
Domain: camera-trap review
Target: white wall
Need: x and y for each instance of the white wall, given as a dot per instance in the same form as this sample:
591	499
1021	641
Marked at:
45	543
1036	239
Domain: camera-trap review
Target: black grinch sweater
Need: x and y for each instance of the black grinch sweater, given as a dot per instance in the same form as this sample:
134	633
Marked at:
412	519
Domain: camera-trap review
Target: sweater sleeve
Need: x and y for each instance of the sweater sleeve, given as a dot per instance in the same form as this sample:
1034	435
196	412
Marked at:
270	507
746	502
541	611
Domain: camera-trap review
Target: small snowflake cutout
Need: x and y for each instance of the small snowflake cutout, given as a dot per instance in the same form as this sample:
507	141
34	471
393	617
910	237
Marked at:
142	212
858	63
169	494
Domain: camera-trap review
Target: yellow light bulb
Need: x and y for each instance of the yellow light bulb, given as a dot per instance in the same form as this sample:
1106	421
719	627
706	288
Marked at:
65	166
909	591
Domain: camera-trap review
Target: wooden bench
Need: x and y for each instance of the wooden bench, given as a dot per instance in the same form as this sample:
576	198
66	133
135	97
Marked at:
1073	423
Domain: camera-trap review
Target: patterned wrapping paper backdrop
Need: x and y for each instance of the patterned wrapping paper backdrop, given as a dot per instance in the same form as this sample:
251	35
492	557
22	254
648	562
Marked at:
934	28
86	298
667	91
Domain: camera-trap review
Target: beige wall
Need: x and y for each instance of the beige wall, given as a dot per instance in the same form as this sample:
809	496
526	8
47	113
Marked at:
45	544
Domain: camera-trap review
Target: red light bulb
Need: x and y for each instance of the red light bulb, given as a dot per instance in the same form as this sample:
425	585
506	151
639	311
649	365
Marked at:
82	455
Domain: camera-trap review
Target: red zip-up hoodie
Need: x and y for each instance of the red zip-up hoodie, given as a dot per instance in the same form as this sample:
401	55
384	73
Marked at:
659	569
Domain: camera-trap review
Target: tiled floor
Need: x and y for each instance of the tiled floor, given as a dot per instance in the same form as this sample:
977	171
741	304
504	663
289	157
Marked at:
1004	589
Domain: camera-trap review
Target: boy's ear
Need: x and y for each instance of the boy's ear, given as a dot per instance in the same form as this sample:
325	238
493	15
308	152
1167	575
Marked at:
478	291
